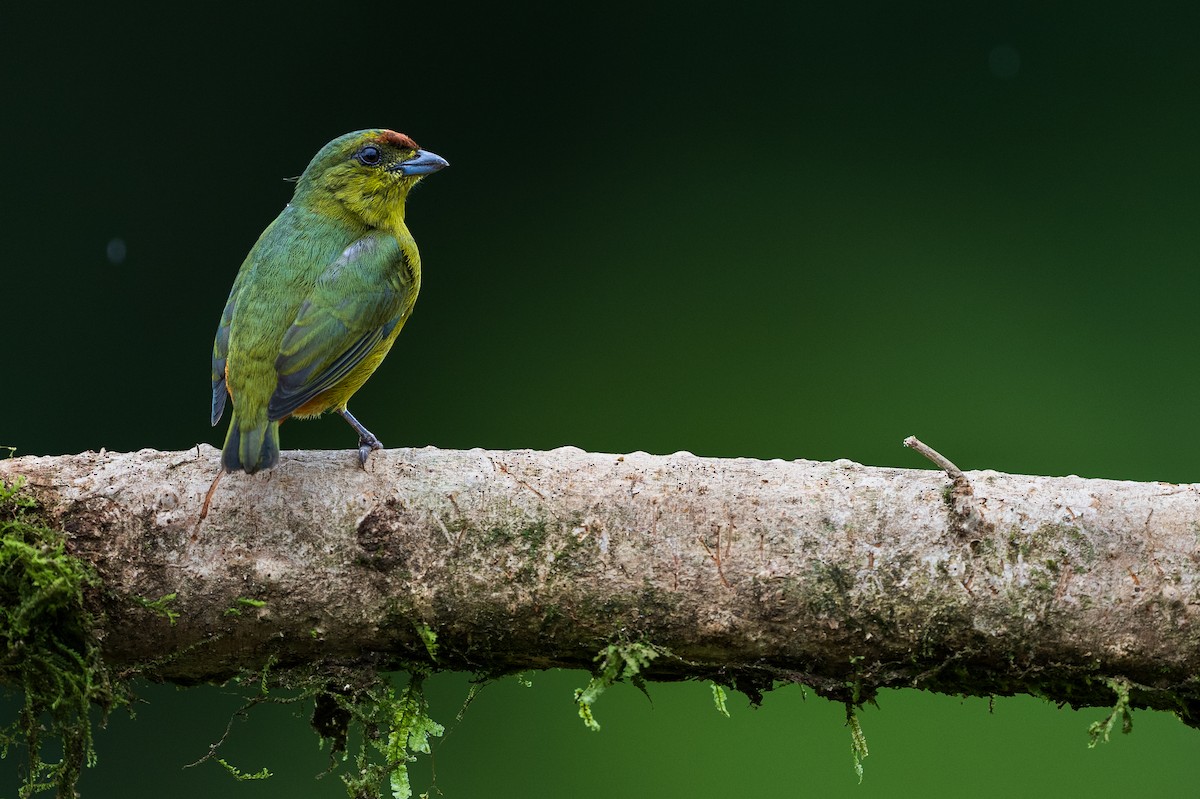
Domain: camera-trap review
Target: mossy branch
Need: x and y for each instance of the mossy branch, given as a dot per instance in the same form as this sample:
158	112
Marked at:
47	647
749	573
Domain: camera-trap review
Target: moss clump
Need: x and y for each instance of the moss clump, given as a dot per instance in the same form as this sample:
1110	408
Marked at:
394	723
535	535
391	725
615	662
161	606
719	699
1099	730
47	650
858	741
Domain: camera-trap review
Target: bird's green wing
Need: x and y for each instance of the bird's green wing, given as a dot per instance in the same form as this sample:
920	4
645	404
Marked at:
219	354
356	303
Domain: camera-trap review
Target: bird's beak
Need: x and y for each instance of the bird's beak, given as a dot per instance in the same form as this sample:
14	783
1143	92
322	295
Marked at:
422	163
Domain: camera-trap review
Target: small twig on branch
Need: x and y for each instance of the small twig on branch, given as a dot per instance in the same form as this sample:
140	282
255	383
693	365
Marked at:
241	713
938	459
212	489
716	557
970	521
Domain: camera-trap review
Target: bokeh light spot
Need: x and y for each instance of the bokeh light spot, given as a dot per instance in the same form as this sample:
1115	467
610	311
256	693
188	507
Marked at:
115	251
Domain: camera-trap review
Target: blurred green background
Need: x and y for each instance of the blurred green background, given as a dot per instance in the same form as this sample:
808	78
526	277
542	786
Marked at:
768	229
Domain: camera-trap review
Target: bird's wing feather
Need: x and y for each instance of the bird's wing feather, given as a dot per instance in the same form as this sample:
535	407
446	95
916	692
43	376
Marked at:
219	354
356	303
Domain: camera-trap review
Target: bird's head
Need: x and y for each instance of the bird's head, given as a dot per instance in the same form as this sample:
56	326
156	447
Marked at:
366	175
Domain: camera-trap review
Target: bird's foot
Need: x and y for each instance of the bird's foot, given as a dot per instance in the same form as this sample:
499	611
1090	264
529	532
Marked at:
366	444
366	439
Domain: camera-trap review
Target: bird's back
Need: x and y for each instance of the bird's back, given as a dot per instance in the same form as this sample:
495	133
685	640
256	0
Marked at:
276	278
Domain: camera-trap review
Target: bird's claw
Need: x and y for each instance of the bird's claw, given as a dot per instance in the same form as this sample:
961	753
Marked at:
366	444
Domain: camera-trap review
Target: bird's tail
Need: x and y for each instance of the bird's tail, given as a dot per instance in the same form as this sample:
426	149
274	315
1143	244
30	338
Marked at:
248	449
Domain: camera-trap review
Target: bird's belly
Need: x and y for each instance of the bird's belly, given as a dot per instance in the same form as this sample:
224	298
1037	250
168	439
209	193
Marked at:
336	397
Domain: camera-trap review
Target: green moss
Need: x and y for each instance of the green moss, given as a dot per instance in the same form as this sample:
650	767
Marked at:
242	776
402	725
535	536
457	527
160	606
242	603
858	741
827	588
1099	730
1081	550
429	638
855	686
497	535
49	651
392	725
719	699
615	663
1041	580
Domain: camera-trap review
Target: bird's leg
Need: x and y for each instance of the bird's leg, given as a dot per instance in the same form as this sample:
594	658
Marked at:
366	439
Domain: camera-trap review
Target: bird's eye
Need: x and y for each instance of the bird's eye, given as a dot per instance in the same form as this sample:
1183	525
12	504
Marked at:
369	156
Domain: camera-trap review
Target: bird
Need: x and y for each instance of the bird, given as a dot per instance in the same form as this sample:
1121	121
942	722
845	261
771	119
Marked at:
321	296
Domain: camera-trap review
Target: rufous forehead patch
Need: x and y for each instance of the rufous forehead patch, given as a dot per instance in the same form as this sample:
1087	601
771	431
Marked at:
397	140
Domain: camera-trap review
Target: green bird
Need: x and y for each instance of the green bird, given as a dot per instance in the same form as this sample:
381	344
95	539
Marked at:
321	296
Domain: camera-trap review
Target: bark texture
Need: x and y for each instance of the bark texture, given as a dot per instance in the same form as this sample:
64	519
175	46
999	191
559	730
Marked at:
845	577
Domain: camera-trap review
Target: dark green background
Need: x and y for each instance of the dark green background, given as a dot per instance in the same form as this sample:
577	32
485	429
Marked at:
742	230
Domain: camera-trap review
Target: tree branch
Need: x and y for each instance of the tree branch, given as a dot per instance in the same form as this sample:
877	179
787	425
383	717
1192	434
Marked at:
845	577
